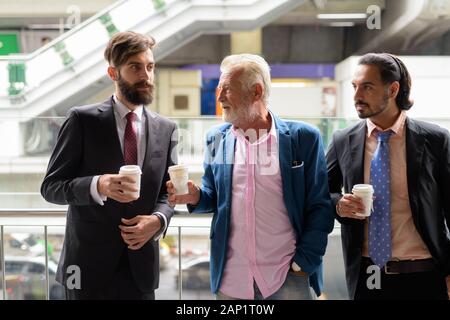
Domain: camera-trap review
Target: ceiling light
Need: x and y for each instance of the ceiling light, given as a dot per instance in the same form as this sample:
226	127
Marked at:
339	16
342	24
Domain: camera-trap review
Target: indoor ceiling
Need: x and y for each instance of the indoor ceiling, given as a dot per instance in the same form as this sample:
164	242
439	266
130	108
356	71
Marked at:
48	14
307	14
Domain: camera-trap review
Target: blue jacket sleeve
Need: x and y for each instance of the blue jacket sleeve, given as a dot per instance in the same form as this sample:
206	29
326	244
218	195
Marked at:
208	199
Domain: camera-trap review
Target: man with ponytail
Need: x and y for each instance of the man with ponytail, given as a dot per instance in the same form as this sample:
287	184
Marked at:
402	250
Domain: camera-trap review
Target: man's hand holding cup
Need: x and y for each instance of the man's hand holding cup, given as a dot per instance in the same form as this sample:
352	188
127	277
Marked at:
192	197
180	189
123	187
357	205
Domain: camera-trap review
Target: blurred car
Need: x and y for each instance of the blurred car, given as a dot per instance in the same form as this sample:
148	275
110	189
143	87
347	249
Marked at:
25	244
195	274
25	278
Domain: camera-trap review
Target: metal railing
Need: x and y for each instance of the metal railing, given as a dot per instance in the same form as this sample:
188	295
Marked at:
181	225
57	217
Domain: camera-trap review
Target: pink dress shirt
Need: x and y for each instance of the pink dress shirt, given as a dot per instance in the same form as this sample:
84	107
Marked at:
262	240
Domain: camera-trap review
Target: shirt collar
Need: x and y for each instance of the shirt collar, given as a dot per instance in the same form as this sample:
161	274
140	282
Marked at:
272	132
122	109
397	127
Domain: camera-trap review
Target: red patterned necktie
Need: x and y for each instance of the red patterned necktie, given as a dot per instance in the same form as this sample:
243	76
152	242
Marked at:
130	140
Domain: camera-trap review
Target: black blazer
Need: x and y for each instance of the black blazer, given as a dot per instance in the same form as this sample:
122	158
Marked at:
88	145
428	176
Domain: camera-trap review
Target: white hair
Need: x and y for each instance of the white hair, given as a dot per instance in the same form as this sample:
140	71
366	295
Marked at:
255	70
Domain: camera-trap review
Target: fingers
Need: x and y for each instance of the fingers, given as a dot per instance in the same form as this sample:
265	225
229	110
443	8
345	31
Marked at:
137	245
191	197
180	199
349	205
122	178
172	200
134	236
134	243
138	230
191	186
126	187
171	192
169	185
131	237
121	197
132	221
133	230
121	188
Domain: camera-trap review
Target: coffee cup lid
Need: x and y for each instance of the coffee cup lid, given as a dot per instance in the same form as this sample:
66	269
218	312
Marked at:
178	167
363	187
130	169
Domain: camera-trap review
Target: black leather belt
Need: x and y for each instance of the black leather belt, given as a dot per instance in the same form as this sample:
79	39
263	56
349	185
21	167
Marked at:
405	266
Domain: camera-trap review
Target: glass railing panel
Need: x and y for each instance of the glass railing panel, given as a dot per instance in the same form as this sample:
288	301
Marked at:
24	263
168	265
195	264
24	244
335	287
55	240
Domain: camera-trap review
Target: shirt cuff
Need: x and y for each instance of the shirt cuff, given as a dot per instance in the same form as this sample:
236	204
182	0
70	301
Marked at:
163	220
98	198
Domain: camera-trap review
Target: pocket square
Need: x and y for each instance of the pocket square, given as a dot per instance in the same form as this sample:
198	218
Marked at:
297	164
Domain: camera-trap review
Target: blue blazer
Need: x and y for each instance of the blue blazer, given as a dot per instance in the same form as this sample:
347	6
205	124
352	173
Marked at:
305	193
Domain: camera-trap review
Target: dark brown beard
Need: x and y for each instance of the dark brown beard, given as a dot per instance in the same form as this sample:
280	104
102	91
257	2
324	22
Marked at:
131	93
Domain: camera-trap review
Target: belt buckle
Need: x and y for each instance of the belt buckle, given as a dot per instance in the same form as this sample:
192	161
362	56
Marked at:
386	267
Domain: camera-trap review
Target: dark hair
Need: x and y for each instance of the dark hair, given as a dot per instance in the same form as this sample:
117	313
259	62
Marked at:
392	69
123	45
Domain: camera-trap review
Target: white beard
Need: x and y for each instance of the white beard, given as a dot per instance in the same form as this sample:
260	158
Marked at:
244	114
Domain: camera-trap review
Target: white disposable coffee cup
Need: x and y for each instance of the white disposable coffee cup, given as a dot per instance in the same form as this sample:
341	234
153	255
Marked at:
135	173
365	192
179	175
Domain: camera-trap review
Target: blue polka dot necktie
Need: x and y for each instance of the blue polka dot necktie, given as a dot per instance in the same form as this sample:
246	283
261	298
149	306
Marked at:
380	219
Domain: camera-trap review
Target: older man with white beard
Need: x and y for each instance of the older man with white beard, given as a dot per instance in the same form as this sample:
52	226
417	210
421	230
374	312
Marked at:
265	182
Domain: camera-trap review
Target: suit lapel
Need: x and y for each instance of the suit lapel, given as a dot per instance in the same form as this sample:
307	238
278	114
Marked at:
356	142
108	128
414	155
285	158
152	139
228	160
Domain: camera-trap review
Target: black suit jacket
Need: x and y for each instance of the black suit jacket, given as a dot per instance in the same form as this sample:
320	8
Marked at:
428	176
88	145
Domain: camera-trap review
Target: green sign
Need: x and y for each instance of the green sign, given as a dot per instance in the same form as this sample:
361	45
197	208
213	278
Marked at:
8	43
66	58
106	20
159	4
17	80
